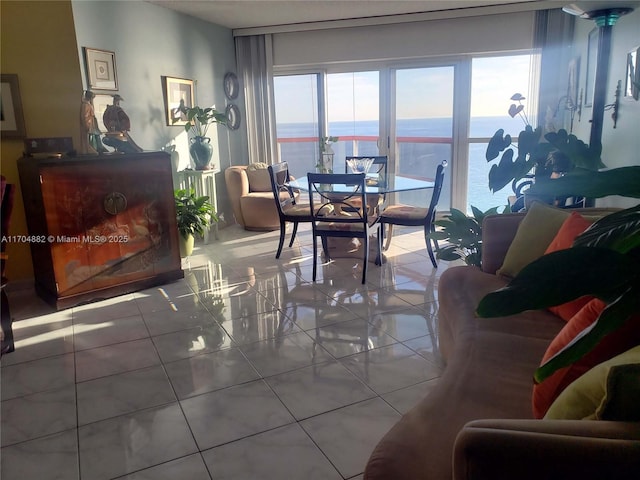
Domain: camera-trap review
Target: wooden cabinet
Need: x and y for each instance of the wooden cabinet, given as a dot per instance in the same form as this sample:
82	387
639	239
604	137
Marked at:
100	226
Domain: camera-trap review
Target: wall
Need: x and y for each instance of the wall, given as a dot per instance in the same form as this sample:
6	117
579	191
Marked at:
453	36
38	44
150	42
620	146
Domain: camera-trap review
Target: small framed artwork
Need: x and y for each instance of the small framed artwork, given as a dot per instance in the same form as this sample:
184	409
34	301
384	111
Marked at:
592	60
231	86
632	82
11	114
101	69
100	104
233	116
178	97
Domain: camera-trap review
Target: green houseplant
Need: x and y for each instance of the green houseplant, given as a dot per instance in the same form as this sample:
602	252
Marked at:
532	152
194	215
604	262
198	122
464	235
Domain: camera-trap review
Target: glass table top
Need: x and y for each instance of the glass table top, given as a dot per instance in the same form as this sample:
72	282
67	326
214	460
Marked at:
394	183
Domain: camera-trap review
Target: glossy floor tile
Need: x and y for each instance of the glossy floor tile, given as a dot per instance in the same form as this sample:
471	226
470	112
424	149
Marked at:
244	369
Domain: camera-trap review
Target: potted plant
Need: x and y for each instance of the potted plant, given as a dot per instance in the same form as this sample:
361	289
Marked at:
604	262
533	153
198	122
325	164
464	235
194	215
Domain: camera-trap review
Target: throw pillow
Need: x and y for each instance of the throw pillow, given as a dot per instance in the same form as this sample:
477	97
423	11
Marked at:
622	402
605	392
570	229
616	342
536	231
258	175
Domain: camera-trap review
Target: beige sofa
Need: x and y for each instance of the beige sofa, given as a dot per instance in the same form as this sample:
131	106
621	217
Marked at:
251	197
478	423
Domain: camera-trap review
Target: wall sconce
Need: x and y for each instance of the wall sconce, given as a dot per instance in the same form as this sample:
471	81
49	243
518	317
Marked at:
605	15
615	106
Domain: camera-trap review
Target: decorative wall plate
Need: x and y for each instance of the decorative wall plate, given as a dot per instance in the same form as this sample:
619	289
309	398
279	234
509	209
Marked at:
233	116
231	86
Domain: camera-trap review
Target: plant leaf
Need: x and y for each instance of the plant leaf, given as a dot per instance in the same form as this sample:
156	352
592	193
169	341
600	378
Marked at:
612	317
517	97
515	109
498	143
624	181
562	276
619	231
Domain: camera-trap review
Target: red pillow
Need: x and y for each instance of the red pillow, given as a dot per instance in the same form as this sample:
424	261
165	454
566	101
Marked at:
613	344
573	226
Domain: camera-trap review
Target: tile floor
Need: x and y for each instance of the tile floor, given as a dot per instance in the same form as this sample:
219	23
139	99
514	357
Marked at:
243	370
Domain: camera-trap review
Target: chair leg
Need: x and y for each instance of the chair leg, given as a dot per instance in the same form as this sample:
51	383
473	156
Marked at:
315	257
379	239
283	231
435	242
388	242
325	248
293	235
429	248
366	258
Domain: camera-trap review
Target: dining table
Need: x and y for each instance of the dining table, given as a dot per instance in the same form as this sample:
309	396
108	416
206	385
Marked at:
374	185
394	182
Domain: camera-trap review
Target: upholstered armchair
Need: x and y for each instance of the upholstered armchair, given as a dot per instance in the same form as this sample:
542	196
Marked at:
249	189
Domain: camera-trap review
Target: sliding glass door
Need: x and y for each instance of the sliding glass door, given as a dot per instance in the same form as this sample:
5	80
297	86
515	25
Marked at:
418	115
422	132
298	121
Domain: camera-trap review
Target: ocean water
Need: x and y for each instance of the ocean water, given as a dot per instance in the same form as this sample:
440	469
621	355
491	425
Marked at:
413	159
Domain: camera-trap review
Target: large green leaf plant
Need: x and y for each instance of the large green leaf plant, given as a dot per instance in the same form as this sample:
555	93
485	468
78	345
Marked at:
604	262
463	235
531	151
200	119
193	214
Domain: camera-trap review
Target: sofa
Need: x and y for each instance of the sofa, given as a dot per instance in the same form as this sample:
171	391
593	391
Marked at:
251	197
477	423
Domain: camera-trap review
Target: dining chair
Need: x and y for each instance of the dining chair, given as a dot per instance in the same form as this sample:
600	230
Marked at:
337	202
289	210
379	165
411	216
379	168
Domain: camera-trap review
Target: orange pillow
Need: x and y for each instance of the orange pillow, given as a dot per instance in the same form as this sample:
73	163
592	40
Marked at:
573	226
617	342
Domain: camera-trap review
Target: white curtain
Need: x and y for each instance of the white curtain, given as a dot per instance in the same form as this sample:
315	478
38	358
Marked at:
254	56
552	36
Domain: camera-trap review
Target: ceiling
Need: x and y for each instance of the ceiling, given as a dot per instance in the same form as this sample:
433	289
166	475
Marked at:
238	14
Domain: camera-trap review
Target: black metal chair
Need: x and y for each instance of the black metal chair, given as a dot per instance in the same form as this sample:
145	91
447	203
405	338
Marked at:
289	210
411	216
337	202
378	169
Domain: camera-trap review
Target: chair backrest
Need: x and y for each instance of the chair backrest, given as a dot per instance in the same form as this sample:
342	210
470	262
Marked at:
282	193
338	198
437	189
379	165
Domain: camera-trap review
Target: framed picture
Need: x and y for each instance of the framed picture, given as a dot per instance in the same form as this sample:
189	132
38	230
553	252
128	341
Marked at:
101	69
592	60
632	82
178	96
11	115
100	104
231	86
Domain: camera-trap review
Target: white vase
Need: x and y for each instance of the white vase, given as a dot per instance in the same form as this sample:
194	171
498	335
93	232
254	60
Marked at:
186	245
